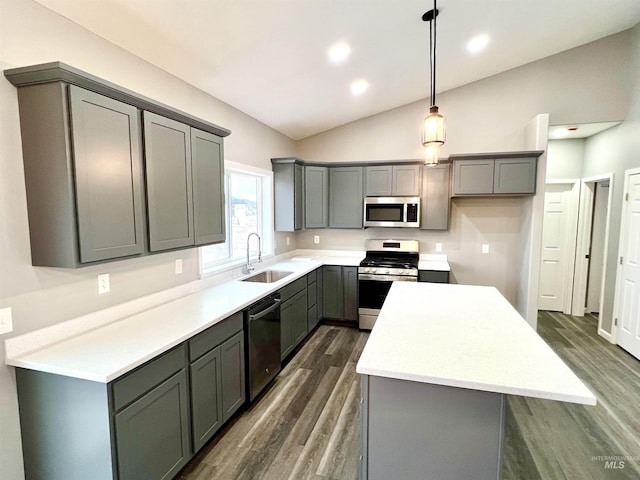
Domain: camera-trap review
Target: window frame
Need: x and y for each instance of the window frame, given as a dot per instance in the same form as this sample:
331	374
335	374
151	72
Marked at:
264	205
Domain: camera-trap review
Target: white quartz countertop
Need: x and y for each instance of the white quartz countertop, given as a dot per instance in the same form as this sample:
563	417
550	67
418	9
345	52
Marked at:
105	353
468	337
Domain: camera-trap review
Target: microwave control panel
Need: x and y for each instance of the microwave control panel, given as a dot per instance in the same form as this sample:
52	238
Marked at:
412	212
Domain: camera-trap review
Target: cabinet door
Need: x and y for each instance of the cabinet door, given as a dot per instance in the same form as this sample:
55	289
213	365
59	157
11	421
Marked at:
167	146
312	317
207	163
316	197
232	375
515	175
105	136
350	282
332	291
473	177
206	404
345	197
435	197
299	327
378	180
406	180
298	199
152	434
287	313
319	293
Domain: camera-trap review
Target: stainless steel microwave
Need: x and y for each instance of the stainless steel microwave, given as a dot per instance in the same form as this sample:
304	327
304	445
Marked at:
392	212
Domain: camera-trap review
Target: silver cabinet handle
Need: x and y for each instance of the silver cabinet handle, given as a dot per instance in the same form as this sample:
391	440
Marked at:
267	311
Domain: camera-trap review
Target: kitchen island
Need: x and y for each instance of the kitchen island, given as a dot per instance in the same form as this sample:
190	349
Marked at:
435	372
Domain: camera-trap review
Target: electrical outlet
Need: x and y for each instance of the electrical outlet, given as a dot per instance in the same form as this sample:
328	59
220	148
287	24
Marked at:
104	286
6	322
288	240
485	248
438	247
316	239
178	266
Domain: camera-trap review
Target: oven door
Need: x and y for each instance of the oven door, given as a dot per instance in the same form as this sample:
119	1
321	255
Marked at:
372	291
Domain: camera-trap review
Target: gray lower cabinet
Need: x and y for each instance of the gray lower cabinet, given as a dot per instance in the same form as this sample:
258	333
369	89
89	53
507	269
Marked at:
346	197
433	276
316	197
288	182
495	176
72	140
293	321
436	197
312	300
340	292
146	424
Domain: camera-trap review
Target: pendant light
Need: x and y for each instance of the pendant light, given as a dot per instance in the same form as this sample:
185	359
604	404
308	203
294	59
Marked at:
433	128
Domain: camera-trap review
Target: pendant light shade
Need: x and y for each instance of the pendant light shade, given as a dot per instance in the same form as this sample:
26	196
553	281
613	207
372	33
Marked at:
430	155
433	128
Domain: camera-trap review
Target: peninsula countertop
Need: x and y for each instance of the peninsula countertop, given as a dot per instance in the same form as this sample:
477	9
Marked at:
468	337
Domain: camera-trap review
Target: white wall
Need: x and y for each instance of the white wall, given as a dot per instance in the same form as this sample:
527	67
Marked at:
565	158
31	34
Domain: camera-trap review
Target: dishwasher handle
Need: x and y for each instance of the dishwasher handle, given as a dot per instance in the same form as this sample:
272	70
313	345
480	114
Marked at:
263	313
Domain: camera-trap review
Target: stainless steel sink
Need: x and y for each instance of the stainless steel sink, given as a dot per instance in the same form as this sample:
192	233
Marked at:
267	276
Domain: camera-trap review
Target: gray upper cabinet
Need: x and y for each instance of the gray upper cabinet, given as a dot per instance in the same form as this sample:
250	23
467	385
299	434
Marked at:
82	147
82	163
316	197
378	180
346	197
169	185
435	197
504	174
288	195
207	162
514	175
386	180
473	177
406	180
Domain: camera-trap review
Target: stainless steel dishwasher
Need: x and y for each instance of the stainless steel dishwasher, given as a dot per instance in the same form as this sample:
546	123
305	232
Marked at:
262	322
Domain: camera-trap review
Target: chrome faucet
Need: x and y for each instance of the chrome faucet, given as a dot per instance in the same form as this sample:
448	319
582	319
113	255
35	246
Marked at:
248	268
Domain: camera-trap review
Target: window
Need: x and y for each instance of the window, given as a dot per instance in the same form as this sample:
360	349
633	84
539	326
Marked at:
248	203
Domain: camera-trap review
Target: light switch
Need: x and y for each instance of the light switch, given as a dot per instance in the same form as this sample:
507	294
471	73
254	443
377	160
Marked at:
6	322
438	247
178	266
485	248
104	285
288	240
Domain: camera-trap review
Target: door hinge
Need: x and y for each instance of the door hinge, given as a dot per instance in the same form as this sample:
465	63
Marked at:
620	260
626	197
615	322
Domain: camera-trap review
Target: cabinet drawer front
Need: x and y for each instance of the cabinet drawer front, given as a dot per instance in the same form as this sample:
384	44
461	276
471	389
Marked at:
147	376
294	287
311	277
312	297
214	336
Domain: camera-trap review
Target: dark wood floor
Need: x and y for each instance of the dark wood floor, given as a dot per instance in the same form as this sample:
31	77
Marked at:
306	426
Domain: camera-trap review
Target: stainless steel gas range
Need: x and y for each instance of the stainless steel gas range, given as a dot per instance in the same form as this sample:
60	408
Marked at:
387	261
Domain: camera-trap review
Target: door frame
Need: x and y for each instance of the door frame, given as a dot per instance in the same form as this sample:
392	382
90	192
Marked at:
585	221
613	338
571	243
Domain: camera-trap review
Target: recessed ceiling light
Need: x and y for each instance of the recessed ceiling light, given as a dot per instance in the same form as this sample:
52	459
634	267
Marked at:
358	87
339	52
478	43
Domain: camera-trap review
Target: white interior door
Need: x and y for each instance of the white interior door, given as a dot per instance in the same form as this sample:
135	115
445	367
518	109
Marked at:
628	287
558	248
596	251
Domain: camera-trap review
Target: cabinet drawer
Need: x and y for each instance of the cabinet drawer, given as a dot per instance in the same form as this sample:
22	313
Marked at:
311	277
147	376
294	287
214	336
312	295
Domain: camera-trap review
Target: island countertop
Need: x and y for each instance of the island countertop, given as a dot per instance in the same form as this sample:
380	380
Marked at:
465	336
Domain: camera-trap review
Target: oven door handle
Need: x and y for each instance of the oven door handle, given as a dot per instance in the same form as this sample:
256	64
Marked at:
387	278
